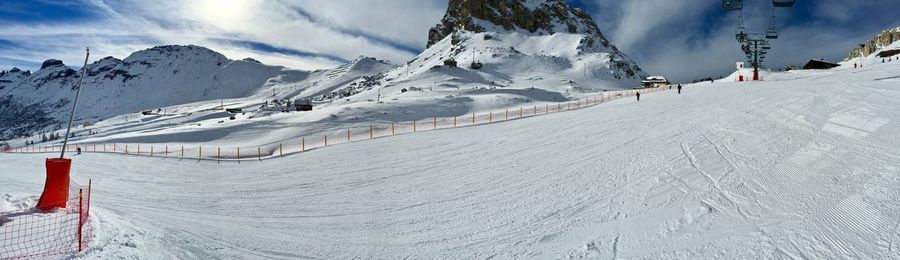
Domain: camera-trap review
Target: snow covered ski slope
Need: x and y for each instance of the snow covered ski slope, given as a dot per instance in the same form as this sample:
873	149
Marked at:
803	165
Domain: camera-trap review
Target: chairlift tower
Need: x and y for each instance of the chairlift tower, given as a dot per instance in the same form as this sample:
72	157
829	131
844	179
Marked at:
755	45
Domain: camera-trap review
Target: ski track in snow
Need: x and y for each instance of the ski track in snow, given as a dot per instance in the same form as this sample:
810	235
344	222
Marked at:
802	166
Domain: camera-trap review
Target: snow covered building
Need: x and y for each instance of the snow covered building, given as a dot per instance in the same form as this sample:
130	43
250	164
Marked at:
654	82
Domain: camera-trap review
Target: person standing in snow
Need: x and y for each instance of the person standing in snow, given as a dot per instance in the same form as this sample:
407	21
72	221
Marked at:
679	88
638	95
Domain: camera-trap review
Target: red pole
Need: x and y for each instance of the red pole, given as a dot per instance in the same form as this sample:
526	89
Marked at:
80	219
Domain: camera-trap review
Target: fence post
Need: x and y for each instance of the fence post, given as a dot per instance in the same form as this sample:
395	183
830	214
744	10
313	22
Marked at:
507	114
259	153
166	155
454	122
199	152
348	135
126	148
414	126
139	150
534	110
80	218
218	153
302	144
521	110
280	150
326	139
434	122
371	135
392	128
182	152
239	154
151	151
491	117
473	118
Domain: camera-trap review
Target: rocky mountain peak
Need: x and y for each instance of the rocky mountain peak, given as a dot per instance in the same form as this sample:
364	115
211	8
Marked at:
51	63
881	40
534	16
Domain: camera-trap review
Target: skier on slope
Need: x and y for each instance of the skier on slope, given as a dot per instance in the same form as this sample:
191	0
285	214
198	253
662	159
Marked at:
77	150
679	88
638	95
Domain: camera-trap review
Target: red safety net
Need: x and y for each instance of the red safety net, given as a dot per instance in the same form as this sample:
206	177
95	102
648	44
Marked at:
31	233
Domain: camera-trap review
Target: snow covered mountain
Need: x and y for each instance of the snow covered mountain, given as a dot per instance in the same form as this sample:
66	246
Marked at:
534	43
149	79
882	40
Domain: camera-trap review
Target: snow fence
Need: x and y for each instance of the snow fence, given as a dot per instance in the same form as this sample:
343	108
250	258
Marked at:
34	234
333	136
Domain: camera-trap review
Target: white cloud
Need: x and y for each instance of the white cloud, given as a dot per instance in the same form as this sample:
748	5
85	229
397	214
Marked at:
344	32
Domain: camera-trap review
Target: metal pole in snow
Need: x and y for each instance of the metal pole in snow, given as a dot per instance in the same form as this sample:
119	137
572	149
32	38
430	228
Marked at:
62	153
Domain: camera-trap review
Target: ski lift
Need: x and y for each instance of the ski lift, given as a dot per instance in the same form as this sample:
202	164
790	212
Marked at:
740	34
771	34
733	5
783	3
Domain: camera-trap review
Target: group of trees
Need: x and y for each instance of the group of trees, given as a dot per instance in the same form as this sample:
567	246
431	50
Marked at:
46	138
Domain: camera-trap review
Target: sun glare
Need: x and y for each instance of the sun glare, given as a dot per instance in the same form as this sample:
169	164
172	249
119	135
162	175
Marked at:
225	13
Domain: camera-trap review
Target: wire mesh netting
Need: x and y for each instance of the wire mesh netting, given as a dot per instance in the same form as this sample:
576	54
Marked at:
31	233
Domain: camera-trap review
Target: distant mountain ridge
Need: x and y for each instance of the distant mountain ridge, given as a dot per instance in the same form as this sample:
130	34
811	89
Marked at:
148	79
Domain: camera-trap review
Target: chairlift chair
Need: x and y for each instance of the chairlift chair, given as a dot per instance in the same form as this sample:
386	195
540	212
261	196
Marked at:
783	3
771	34
733	5
740	34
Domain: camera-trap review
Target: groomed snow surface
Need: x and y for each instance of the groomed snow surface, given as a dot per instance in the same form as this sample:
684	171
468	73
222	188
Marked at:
803	165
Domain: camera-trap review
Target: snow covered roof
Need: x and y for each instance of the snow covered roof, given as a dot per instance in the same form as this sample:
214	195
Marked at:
656	79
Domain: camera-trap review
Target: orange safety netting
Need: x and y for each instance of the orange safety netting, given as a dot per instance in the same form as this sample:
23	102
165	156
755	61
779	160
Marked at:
31	233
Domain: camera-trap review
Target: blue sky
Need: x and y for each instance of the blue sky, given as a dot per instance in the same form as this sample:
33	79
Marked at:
681	39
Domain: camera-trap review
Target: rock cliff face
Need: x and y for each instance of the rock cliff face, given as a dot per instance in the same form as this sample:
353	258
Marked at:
877	43
545	17
535	17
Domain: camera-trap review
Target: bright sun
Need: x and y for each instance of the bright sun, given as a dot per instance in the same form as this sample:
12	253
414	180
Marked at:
226	13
